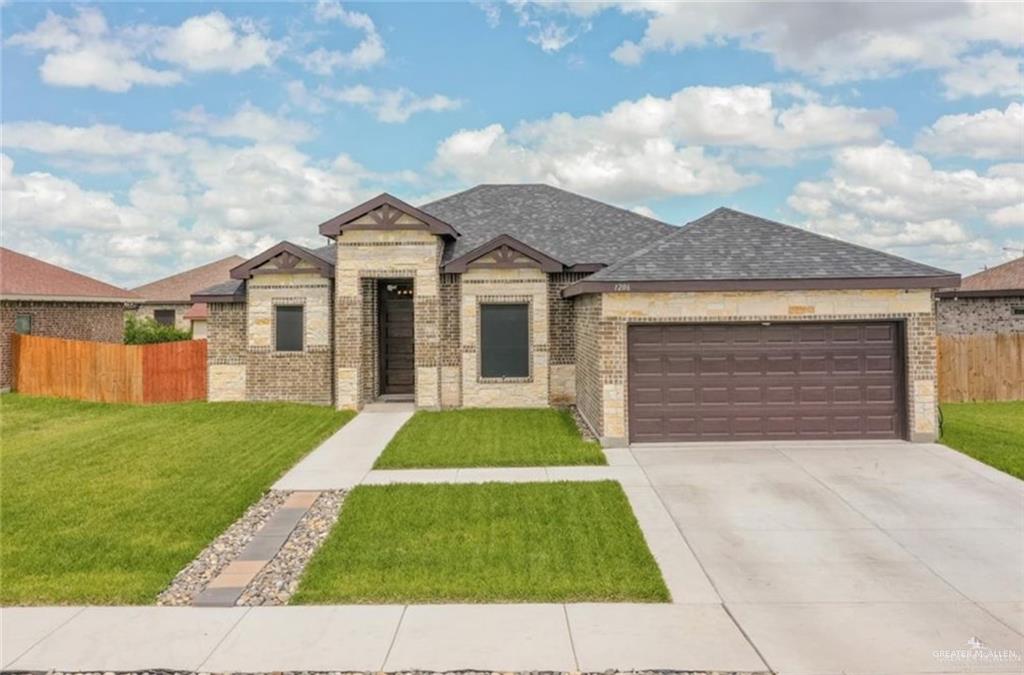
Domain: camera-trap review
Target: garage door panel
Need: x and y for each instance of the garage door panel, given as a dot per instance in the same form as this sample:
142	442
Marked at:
748	381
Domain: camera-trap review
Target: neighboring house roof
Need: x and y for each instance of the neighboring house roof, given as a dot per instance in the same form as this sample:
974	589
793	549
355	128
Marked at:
565	226
23	277
1005	279
199	311
728	249
180	287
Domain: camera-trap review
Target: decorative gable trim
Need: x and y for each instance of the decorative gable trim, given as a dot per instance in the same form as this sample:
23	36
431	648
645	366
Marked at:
283	258
385	212
504	252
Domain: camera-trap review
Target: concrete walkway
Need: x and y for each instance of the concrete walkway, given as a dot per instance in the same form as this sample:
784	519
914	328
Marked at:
372	638
344	459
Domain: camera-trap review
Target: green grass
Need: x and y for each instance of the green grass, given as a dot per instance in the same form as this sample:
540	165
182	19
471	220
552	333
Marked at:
989	432
490	542
476	437
106	503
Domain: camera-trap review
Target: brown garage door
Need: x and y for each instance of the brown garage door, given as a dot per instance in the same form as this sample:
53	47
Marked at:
753	381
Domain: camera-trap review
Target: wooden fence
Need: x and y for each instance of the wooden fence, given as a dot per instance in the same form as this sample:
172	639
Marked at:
981	367
109	373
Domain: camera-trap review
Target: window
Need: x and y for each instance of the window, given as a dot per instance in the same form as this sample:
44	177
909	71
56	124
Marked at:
288	328
164	317
23	324
504	341
1017	311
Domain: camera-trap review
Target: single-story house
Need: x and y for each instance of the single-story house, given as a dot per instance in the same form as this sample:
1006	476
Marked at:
731	327
37	298
991	301
169	300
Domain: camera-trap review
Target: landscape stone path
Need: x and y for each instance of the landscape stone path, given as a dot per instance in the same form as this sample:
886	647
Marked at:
809	558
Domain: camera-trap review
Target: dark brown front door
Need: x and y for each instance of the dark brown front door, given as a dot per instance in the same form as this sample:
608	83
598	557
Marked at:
705	382
397	374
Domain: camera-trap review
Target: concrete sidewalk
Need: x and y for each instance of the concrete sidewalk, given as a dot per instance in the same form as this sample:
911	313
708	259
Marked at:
575	637
344	459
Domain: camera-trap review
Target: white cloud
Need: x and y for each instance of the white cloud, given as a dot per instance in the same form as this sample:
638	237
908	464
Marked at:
654	147
888	197
248	122
98	140
213	42
551	26
988	134
369	52
84	52
992	73
389	105
830	41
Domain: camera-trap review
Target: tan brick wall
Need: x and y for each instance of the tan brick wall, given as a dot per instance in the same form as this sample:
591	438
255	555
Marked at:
385	254
226	352
180	322
94	321
480	286
618	310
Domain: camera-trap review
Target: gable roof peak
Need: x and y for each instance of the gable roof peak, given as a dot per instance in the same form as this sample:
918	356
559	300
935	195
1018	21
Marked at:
387	219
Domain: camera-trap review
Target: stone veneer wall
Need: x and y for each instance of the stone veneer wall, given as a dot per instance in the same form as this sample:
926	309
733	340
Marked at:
978	316
386	254
610	318
180	322
95	321
226	352
301	377
451	350
523	285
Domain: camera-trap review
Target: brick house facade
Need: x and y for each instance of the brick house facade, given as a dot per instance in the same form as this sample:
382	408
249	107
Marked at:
408	302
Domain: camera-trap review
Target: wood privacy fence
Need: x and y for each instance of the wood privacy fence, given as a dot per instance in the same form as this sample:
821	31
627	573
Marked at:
981	367
109	373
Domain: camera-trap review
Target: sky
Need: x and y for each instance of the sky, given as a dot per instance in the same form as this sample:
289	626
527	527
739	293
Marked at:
140	139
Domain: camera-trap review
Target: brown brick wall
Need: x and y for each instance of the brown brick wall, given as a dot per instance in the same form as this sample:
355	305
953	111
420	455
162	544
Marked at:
587	314
978	316
369	356
225	339
562	319
94	321
451	299
299	377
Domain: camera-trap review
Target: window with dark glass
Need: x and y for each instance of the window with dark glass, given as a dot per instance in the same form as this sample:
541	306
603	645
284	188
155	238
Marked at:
1018	311
164	317
288	328
504	341
23	324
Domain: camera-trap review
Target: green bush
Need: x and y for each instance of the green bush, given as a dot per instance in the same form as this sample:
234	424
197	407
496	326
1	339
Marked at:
144	331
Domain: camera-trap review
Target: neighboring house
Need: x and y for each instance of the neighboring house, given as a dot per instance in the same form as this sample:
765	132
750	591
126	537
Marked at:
732	327
168	301
991	301
37	298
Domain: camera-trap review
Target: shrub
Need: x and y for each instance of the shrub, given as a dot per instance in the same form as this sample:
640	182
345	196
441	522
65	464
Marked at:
144	331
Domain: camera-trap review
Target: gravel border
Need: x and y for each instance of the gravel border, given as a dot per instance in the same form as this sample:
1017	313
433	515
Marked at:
191	581
276	582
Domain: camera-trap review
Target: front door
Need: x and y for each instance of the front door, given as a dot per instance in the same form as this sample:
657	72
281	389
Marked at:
397	375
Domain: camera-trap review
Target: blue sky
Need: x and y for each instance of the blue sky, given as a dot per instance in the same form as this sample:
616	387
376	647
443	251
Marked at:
140	139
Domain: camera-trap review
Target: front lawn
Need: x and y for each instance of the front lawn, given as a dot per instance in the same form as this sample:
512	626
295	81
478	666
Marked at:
991	432
490	542
106	503
476	437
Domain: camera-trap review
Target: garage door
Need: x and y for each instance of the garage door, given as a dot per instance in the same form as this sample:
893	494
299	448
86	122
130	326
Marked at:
752	381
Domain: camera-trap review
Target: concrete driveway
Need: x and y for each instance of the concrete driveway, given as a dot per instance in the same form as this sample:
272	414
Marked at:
873	557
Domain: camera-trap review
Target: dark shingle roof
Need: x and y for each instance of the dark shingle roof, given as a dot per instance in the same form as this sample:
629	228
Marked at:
568	227
231	287
327	253
730	245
